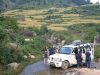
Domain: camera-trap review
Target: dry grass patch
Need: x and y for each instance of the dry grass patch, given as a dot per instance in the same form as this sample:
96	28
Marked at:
36	18
71	15
30	22
56	28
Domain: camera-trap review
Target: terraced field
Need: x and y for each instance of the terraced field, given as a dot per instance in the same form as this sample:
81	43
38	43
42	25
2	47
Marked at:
54	18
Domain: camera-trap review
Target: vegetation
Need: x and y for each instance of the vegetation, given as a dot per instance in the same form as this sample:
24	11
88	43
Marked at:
13	45
33	31
97	51
56	18
85	10
10	4
86	32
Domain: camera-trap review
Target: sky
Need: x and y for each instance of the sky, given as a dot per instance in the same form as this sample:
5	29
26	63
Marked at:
94	1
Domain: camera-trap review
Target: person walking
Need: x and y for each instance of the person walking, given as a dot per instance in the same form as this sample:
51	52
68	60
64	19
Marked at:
88	59
79	59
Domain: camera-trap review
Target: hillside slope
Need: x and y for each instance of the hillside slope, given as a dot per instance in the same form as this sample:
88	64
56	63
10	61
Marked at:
9	4
57	18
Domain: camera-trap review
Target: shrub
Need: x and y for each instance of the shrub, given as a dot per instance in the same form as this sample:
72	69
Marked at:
85	32
38	44
52	10
52	17
43	30
9	55
97	51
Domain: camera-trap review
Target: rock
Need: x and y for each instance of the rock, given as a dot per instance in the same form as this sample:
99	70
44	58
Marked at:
13	65
31	56
25	57
28	40
13	45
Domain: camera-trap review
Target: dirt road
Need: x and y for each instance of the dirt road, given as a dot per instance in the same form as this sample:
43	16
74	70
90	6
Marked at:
40	68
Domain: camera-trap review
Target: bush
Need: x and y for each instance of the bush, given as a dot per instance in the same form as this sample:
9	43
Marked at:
8	55
52	17
38	44
52	10
8	23
2	35
84	32
97	51
43	30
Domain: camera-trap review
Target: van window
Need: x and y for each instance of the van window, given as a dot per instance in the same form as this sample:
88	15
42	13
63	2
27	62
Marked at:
66	50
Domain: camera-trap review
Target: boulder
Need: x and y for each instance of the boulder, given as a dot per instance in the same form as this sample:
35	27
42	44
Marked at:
13	65
28	40
25	57
13	45
31	56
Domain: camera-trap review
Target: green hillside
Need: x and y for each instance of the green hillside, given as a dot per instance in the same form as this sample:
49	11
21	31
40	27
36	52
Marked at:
56	18
12	4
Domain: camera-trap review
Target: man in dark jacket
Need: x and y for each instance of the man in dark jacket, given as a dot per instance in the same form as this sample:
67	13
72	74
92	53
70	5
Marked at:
88	59
51	50
79	58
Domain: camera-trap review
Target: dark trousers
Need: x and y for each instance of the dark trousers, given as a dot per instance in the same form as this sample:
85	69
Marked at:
79	64
88	64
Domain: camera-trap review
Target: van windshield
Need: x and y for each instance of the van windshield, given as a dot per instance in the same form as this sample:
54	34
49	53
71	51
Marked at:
66	50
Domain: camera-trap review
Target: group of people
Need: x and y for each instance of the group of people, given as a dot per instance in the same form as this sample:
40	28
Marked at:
52	50
47	52
79	59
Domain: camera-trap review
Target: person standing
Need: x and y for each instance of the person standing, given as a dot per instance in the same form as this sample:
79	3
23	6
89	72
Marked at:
51	51
79	59
88	59
46	55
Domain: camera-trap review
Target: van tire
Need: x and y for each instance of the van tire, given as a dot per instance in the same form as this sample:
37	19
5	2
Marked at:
65	65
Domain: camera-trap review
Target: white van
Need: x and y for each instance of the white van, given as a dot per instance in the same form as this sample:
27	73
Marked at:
66	56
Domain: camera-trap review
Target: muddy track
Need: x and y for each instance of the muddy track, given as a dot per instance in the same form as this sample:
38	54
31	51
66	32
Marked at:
40	68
